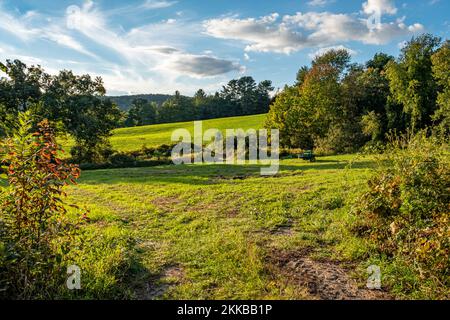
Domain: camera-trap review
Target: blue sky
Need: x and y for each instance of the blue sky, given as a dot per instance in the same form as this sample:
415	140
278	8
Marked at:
159	46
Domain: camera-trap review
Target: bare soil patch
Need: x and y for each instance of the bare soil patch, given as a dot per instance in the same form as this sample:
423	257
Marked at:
327	280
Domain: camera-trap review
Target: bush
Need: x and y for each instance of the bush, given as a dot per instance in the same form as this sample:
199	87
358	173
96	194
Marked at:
406	210
340	139
164	150
373	147
34	230
92	152
148	152
122	159
135	164
145	157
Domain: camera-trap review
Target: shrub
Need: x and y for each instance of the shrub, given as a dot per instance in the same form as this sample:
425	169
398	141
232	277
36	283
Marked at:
340	139
122	159
33	224
164	150
135	164
407	207
91	152
148	152
373	147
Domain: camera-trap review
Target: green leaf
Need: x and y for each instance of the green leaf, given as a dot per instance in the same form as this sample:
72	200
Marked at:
3	68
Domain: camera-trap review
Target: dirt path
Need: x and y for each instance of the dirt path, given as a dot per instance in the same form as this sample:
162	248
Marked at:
325	280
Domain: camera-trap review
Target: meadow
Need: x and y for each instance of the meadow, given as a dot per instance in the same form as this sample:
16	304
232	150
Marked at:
211	231
225	232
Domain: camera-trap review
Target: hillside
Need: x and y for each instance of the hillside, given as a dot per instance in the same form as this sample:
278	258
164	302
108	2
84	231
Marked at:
129	139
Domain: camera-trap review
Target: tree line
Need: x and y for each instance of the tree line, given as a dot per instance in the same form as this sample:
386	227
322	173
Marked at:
238	98
125	102
337	106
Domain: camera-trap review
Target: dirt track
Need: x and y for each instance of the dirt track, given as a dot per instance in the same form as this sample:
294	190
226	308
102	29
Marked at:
327	280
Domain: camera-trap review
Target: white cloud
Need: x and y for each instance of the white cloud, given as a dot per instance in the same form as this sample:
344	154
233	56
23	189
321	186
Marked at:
262	34
379	6
304	30
18	27
321	51
149	58
141	49
56	35
153	54
155	4
327	29
319	3
174	33
11	53
155	57
22	27
84	18
199	65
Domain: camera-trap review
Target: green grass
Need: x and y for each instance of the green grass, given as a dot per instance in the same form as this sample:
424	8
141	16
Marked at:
205	231
210	231
130	139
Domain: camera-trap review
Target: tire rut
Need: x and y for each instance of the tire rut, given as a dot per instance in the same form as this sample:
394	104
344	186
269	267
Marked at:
326	280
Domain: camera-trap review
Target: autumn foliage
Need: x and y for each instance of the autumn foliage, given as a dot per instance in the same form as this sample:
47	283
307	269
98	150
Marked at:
33	220
406	210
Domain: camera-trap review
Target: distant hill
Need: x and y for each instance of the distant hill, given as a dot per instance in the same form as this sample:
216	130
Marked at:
124	102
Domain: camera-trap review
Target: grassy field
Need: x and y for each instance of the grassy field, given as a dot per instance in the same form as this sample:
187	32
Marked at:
130	139
218	232
226	232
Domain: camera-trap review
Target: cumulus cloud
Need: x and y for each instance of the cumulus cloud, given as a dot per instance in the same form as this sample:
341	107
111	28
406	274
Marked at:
328	28
263	34
306	30
379	6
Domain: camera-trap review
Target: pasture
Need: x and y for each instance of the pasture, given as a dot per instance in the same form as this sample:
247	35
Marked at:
225	232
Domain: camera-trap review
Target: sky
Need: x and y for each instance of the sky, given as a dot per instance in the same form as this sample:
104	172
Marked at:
159	46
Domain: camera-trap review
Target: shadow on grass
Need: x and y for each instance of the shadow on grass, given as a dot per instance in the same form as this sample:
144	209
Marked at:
207	174
146	285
